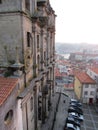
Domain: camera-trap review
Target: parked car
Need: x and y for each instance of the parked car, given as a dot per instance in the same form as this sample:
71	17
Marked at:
74	101
70	126
73	109
72	121
75	105
76	116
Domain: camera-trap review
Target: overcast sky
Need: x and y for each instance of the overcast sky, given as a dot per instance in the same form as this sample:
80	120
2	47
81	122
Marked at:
77	21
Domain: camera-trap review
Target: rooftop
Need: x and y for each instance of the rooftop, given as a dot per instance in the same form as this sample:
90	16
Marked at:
94	69
6	87
84	78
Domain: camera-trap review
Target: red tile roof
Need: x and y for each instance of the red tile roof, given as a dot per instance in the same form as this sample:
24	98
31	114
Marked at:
6	87
63	62
94	70
71	85
84	78
57	73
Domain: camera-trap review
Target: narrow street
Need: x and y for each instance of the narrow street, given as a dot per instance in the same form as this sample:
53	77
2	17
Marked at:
89	111
62	112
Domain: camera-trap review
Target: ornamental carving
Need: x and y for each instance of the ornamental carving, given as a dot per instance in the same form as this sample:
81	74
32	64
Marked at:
43	21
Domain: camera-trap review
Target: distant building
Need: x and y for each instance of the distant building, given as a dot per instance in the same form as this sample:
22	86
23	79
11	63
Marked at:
81	56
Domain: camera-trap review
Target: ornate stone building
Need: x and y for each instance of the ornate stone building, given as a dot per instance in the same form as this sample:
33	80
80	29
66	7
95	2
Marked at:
27	59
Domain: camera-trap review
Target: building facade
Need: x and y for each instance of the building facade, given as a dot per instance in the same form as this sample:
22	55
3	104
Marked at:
27	52
85	88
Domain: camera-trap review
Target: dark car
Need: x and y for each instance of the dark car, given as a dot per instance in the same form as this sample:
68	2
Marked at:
73	109
72	121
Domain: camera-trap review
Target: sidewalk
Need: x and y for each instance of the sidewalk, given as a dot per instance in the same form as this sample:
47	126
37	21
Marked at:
49	122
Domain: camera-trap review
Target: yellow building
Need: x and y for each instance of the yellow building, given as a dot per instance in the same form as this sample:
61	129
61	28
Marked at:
85	87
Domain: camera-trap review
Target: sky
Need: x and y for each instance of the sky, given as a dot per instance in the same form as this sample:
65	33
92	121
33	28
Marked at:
76	21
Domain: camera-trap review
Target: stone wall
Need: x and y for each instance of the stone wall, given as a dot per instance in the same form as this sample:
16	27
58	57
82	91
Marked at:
10	35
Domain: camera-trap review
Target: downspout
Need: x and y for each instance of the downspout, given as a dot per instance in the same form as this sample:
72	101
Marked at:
22	44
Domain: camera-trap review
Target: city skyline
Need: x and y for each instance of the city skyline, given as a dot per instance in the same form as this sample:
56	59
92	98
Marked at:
76	21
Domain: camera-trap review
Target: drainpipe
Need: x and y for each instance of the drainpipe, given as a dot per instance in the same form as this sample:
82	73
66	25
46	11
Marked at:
22	43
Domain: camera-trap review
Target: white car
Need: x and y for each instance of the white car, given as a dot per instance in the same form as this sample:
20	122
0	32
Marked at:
75	102
71	127
76	116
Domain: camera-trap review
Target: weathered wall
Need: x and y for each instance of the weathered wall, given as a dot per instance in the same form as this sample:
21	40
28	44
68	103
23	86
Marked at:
10	35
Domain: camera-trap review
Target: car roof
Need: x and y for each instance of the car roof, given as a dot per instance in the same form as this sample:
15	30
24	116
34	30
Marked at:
73	113
70	125
73	100
70	118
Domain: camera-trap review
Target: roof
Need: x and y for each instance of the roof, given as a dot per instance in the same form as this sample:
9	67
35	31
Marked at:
94	70
6	87
84	78
57	73
70	85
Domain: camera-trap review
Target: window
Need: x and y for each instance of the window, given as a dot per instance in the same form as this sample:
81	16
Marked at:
44	55
27	4
38	60
8	117
37	41
31	103
86	85
92	86
28	39
92	93
86	92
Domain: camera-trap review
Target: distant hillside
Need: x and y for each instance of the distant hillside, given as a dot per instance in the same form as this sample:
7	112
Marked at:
62	48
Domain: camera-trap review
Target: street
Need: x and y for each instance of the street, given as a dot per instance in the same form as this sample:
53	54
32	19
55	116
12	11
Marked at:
62	111
90	114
